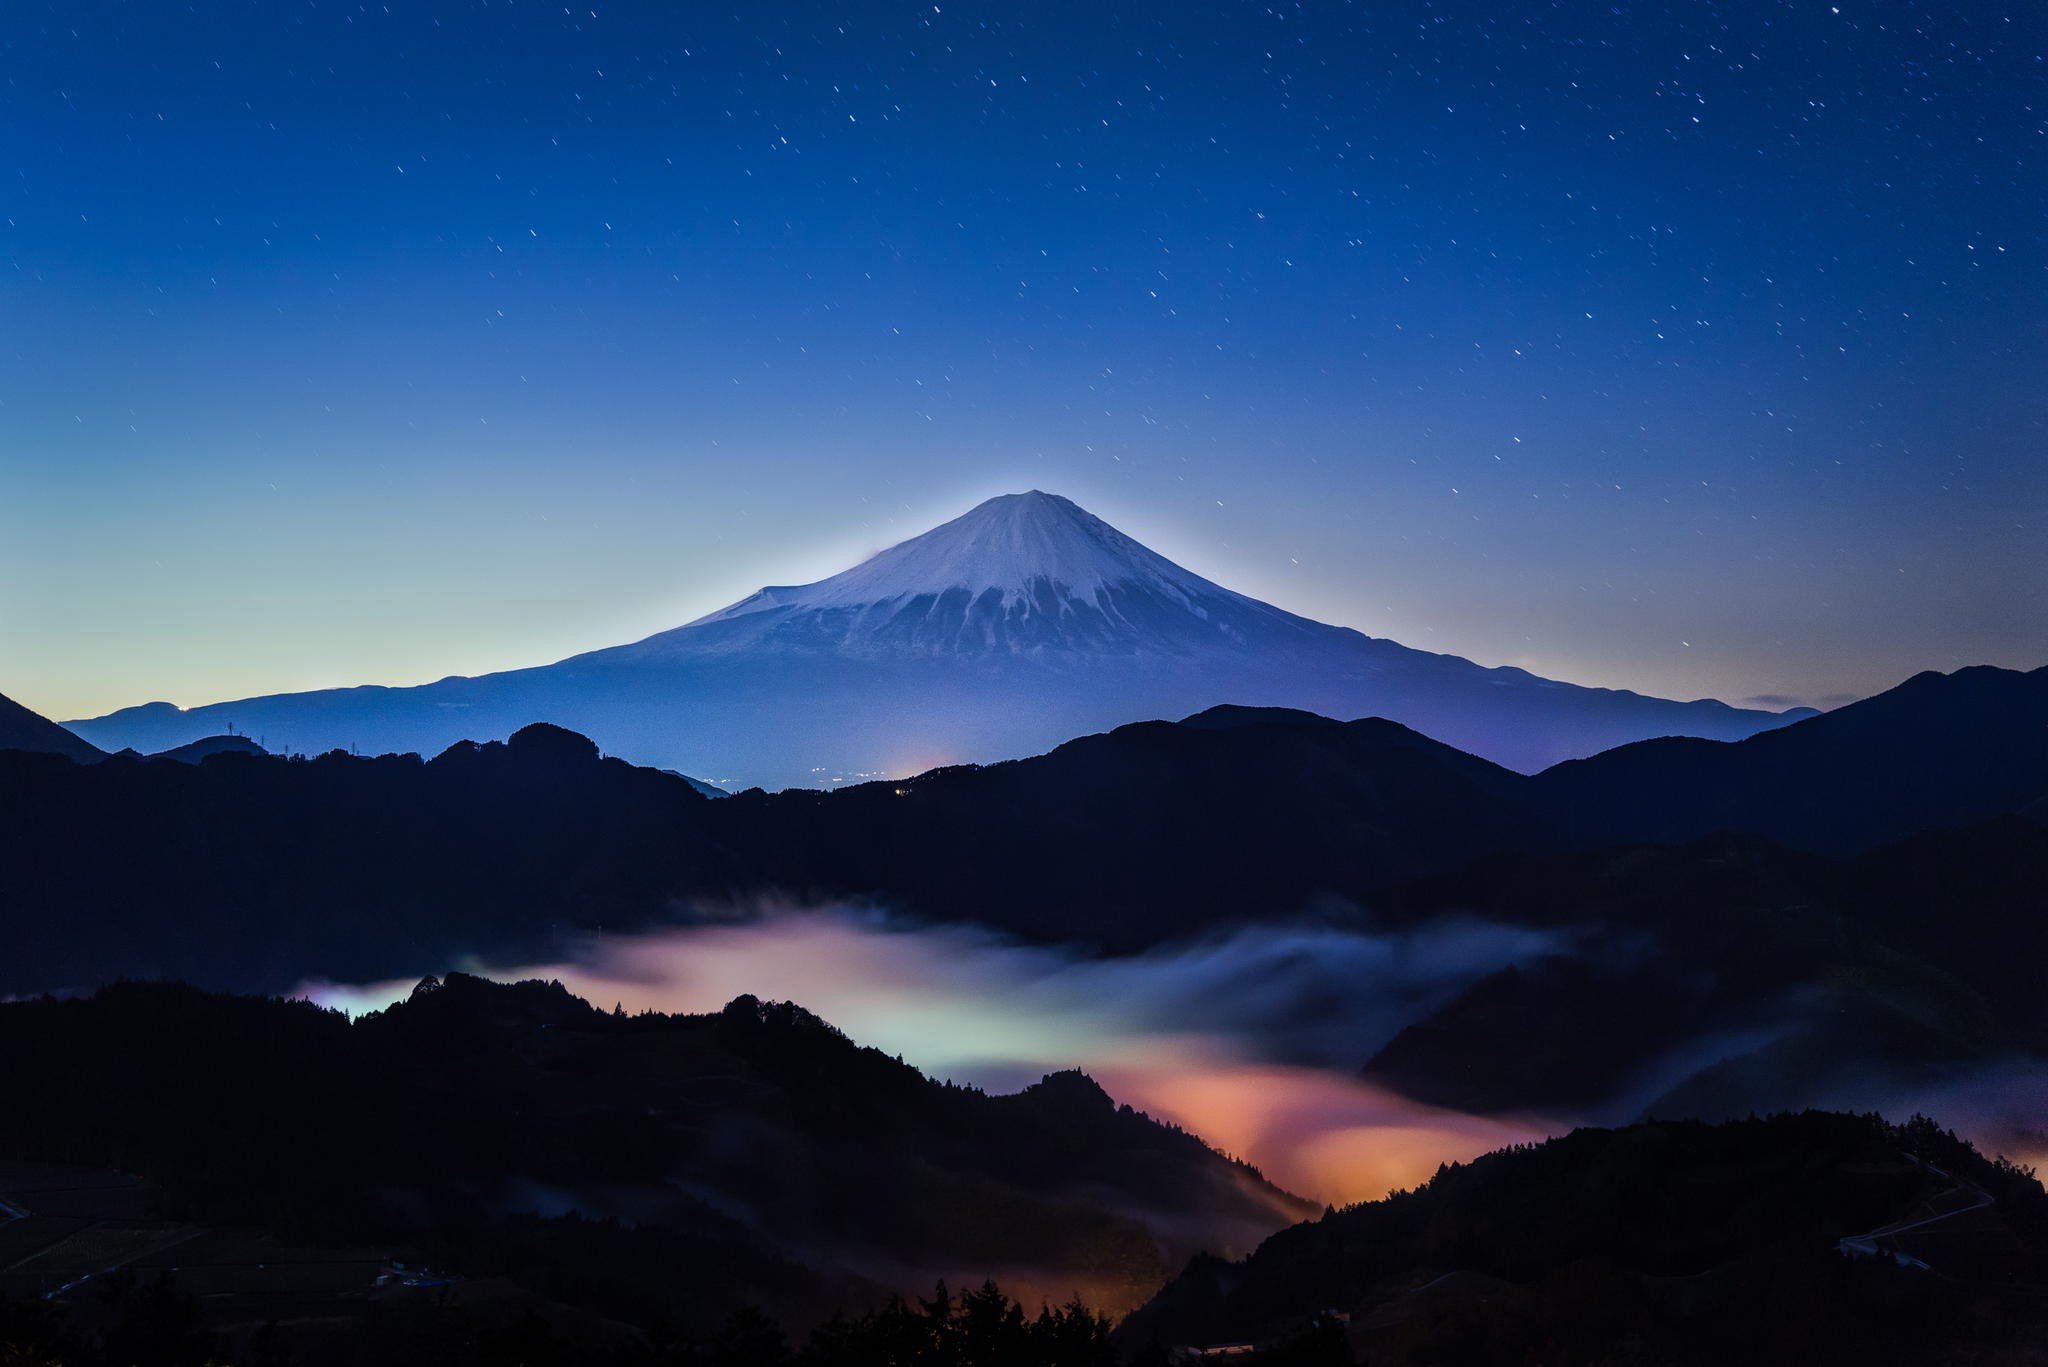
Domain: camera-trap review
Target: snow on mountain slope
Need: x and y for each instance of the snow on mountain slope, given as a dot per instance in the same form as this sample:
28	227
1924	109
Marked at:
1021	624
1023	573
1010	545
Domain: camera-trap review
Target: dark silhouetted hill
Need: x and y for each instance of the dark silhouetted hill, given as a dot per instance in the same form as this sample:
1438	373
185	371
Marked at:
1938	750
1793	973
21	729
625	1164
1667	1243
257	871
250	871
1153	830
208	746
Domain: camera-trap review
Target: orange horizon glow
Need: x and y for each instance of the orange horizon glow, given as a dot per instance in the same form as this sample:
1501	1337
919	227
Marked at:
1182	1033
963	1007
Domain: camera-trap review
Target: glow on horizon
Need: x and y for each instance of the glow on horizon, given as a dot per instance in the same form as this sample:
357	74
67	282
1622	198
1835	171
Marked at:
963	1005
1253	1041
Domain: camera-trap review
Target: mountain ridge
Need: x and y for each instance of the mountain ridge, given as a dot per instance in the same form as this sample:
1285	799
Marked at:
1166	830
1020	624
23	729
1658	1242
754	1133
1750	974
1972	743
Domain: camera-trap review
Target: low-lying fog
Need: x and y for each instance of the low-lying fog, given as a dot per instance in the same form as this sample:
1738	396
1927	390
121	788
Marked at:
1253	1041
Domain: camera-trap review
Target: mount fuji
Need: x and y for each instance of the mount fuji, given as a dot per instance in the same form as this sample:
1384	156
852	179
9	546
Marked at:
1016	626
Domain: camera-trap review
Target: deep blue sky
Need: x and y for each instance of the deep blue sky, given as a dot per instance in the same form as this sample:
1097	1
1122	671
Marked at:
1696	347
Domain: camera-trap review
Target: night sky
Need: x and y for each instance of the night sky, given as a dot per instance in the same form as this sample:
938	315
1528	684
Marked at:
1695	347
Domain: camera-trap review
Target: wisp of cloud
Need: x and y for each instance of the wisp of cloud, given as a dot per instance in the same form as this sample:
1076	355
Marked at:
1252	1040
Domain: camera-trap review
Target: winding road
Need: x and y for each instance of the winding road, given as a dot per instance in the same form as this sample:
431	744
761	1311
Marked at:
1871	1245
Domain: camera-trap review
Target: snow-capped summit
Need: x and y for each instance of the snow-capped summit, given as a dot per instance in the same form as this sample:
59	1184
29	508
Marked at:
1021	573
1016	545
1022	623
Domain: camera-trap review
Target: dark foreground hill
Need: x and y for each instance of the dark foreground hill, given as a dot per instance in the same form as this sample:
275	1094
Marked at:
1800	1238
659	1170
